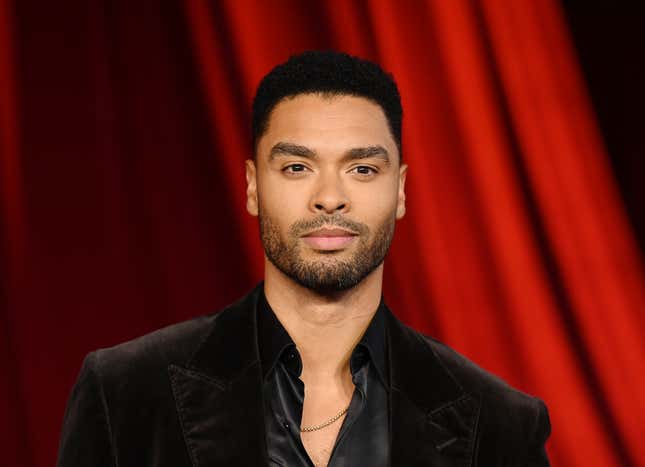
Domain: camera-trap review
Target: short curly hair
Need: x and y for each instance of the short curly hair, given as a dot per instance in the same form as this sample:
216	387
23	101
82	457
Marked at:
328	73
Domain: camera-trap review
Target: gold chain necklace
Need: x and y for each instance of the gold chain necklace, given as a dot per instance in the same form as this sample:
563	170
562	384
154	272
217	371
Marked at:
324	424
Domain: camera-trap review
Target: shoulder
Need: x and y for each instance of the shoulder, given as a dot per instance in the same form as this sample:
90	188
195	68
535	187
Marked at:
510	422
140	366
504	410
172	344
474	379
145	359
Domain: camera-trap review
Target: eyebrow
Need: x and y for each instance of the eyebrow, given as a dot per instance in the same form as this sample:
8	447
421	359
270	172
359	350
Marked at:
291	149
378	152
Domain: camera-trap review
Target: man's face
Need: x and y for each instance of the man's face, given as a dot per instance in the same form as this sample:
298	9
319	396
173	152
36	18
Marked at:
328	187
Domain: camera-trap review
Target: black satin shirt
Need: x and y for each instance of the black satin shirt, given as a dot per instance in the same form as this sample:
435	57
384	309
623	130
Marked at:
363	438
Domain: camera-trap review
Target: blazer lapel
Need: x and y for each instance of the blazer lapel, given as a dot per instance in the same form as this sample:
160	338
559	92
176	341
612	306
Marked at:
219	393
432	421
219	398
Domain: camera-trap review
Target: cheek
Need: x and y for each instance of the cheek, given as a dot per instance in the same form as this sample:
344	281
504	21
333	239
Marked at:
376	204
281	205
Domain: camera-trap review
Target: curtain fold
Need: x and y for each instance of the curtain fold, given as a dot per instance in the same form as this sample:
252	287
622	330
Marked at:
13	431
596	257
123	133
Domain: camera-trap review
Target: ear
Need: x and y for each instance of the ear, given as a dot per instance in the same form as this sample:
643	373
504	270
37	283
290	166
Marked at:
251	188
400	207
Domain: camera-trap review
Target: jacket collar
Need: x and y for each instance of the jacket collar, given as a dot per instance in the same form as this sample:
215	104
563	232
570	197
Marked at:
218	394
274	342
433	420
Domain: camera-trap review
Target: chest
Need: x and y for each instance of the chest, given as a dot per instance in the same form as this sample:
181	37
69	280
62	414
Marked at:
320	444
358	435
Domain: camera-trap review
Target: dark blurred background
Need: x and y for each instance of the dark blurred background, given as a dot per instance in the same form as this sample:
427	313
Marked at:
610	40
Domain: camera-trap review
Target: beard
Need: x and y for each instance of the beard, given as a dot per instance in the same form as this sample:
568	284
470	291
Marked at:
327	274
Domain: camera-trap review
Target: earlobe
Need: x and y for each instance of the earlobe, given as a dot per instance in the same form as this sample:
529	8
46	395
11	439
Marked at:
251	188
400	208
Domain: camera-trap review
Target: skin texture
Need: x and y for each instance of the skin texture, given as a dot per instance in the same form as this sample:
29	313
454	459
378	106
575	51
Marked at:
325	162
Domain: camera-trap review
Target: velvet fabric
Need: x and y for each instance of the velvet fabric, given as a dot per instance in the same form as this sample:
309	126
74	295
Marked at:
191	395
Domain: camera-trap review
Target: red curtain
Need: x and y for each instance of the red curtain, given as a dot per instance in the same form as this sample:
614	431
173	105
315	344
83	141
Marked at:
123	130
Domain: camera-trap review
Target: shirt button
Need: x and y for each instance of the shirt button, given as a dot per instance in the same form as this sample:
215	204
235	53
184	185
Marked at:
286	425
292	356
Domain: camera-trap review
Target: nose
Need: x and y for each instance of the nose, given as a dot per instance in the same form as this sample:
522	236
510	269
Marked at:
329	196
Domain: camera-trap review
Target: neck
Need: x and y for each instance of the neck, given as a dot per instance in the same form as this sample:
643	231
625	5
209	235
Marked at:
325	328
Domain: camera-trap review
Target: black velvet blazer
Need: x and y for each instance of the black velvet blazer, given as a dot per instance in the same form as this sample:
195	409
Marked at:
190	395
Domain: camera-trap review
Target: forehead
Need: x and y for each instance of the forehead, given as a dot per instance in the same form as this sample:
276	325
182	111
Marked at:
327	123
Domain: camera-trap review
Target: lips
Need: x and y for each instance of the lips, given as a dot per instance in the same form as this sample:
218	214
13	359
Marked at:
330	233
329	239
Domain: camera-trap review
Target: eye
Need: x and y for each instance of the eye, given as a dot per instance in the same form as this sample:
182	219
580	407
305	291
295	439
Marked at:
364	170
295	169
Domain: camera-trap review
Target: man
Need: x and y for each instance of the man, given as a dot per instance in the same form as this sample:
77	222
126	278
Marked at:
310	368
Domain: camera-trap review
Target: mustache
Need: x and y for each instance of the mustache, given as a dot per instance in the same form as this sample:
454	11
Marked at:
300	227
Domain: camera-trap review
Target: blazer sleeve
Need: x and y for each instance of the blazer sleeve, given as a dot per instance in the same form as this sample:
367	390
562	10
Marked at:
86	435
537	453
